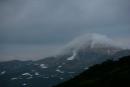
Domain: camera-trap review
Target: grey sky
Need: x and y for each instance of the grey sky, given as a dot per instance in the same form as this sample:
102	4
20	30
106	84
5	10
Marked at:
59	21
51	21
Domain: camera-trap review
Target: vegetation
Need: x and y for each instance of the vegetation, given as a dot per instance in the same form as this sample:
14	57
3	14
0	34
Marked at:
108	74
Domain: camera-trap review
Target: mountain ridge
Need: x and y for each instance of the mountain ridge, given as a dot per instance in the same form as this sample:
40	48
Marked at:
58	68
108	74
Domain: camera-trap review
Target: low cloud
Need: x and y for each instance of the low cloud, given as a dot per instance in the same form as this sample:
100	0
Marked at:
60	21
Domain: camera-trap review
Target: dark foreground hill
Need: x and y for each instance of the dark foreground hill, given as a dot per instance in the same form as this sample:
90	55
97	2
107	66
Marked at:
108	74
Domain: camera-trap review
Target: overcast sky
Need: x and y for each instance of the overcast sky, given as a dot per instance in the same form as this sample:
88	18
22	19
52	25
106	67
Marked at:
59	21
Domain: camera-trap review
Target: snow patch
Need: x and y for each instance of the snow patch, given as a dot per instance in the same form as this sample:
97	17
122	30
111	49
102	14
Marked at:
59	66
73	56
14	78
43	66
58	70
36	73
61	78
3	72
26	74
24	84
86	68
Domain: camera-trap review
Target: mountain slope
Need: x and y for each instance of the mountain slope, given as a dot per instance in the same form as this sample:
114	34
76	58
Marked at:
49	71
108	74
78	56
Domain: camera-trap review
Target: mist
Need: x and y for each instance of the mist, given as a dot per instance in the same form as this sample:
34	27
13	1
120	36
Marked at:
58	22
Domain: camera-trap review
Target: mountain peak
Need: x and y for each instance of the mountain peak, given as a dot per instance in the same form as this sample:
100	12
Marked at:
92	41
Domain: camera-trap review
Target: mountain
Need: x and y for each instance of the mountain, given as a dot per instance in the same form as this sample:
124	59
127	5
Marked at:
108	74
76	57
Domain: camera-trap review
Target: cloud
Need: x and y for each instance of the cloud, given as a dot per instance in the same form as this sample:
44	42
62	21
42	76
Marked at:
57	22
50	11
91	40
52	21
